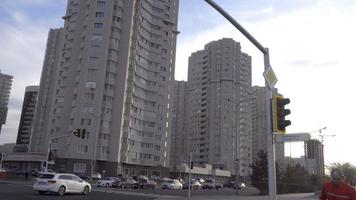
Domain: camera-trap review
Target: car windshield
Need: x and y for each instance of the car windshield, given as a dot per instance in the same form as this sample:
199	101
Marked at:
46	176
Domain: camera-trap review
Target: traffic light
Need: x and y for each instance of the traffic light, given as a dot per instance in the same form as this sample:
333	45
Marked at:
83	133
76	132
80	133
280	113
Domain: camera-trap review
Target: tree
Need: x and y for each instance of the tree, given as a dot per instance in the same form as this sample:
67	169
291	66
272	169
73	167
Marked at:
259	175
348	170
296	179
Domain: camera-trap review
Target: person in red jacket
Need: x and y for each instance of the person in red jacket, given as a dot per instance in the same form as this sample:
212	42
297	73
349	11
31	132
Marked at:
336	189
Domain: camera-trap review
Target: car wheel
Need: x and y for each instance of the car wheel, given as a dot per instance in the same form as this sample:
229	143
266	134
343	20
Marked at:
107	185
61	190
86	190
41	192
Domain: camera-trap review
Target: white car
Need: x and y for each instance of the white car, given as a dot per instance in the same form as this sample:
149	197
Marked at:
61	184
108	182
172	185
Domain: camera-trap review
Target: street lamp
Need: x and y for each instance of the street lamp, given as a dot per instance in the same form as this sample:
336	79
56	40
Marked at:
270	136
93	159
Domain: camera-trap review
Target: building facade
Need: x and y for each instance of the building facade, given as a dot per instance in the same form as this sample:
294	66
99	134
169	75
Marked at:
180	136
114	79
219	80
39	136
5	87
314	154
26	119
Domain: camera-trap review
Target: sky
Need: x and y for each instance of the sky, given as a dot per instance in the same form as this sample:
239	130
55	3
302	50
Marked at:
311	46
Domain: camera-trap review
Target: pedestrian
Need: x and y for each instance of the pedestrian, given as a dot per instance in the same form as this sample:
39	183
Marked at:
336	189
26	175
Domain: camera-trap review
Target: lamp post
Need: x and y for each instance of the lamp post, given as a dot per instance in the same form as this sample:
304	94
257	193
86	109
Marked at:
237	176
2	158
270	135
93	159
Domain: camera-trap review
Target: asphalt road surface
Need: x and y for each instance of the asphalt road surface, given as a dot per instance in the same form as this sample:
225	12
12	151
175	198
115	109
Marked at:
10	191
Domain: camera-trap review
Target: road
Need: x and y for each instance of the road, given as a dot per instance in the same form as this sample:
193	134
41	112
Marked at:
23	191
10	191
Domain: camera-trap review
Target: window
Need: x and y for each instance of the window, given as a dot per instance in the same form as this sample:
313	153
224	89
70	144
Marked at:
157	147
156	158
85	122
65	177
82	148
79	167
98	25
92	72
90	84
97	37
88	109
99	14
89	96
100	3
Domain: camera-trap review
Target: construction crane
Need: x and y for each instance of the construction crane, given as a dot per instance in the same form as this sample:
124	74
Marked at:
322	135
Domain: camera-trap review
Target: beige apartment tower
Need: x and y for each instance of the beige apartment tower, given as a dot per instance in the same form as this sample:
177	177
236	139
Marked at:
219	80
114	79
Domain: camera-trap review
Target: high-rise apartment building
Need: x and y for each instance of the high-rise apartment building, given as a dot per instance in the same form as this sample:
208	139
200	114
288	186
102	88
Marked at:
5	87
219	80
114	79
180	132
26	120
314	155
52	59
259	124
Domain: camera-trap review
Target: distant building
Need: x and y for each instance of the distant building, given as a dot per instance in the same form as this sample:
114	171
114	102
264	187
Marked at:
5	87
7	148
180	132
26	120
219	123
314	154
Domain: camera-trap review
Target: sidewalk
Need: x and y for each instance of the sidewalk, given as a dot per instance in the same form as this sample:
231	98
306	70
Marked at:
308	196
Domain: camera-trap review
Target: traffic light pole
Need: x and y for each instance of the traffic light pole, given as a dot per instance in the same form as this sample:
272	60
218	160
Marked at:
269	134
49	148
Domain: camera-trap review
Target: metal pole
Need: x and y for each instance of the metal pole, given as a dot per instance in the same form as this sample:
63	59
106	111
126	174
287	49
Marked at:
93	160
237	178
190	174
237	25
48	152
269	134
2	158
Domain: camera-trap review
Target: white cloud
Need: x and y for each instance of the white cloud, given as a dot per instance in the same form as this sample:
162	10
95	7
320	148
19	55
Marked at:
22	53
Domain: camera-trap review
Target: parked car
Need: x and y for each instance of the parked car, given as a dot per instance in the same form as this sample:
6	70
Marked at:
209	184
127	183
194	185
146	184
172	185
61	183
108	182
